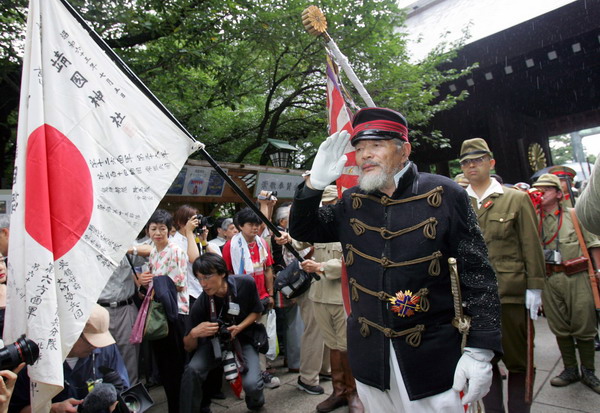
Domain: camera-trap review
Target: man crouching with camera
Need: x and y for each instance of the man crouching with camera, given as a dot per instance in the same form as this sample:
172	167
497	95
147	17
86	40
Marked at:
224	333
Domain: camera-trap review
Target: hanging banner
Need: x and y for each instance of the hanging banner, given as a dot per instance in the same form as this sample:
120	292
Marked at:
94	157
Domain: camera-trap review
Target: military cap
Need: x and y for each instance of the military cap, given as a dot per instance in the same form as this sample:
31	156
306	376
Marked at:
474	148
548	180
378	124
563	172
330	193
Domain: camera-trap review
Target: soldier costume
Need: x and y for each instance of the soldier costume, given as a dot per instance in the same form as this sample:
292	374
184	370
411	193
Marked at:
396	250
568	299
508	223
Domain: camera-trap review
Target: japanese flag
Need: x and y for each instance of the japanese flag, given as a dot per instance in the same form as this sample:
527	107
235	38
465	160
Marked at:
94	157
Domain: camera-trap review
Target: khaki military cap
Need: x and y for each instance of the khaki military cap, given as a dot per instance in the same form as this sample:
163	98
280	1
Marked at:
562	172
474	148
548	180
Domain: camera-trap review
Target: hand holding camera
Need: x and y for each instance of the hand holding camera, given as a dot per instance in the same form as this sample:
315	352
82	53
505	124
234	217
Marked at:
268	196
205	329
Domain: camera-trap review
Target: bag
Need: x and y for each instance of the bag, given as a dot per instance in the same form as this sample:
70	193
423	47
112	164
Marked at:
271	327
576	265
137	331
156	326
292	281
259	338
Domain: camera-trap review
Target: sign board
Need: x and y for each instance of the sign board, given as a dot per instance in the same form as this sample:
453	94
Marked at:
197	181
284	184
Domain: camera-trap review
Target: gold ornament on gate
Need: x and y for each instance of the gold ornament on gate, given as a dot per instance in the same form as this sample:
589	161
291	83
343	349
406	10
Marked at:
314	21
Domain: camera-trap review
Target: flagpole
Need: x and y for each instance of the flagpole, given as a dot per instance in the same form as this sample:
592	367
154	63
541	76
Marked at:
315	23
201	147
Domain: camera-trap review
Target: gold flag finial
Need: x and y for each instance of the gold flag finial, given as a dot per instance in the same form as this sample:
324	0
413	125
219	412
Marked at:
314	21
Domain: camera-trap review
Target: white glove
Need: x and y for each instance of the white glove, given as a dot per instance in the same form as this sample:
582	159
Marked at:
474	365
533	302
330	160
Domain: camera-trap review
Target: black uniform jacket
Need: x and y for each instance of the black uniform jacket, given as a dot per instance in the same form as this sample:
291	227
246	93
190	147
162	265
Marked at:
396	252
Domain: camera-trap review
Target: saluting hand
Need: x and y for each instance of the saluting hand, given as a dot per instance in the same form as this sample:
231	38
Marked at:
329	161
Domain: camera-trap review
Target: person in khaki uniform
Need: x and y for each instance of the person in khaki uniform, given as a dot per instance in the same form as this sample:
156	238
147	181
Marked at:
508	222
568	299
588	204
326	295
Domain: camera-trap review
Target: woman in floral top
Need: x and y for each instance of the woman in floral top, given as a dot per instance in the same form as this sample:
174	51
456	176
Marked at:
167	259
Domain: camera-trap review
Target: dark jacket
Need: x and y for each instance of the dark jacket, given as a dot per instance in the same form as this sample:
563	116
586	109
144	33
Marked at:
165	292
400	246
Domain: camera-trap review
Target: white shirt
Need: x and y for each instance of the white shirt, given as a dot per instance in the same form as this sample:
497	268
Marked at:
494	187
193	285
216	244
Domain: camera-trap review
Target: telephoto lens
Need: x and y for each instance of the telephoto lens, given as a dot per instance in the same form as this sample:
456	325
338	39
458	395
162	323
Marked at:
22	350
230	370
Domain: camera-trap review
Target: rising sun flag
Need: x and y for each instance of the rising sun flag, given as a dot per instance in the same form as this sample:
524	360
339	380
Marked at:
95	155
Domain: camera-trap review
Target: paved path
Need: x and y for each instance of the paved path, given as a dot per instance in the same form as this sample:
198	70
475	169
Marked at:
547	399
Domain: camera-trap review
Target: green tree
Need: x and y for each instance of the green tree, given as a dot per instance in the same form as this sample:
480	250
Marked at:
239	72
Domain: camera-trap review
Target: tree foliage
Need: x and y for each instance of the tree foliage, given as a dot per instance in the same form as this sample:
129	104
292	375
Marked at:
238	72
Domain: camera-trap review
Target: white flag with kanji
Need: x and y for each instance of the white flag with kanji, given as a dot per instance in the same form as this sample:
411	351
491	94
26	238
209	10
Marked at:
94	157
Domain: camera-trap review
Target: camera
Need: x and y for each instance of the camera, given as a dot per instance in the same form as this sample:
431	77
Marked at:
270	195
204	222
552	257
223	349
136	399
21	351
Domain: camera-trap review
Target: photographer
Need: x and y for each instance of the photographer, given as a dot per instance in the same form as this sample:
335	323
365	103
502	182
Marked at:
223	318
93	358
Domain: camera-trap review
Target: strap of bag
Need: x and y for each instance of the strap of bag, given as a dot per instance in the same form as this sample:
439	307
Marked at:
586	254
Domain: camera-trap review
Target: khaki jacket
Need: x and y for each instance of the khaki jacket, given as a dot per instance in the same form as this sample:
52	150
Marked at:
509	225
588	204
328	290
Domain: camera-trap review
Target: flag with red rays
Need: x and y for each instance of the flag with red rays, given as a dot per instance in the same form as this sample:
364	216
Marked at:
340	118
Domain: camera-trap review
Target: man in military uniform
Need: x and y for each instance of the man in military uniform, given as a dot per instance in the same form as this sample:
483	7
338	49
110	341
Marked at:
508	222
326	295
567	178
568	299
397	229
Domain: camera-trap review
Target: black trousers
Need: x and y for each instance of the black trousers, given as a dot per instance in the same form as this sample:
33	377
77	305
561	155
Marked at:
170	360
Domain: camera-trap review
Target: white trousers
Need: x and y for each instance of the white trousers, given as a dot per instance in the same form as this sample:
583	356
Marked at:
396	398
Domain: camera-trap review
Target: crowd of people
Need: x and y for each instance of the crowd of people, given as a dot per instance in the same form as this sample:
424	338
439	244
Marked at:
443	279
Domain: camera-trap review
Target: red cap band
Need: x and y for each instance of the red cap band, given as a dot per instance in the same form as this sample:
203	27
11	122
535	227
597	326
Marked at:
382	125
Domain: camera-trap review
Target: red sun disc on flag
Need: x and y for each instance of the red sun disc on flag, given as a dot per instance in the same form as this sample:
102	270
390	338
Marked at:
58	191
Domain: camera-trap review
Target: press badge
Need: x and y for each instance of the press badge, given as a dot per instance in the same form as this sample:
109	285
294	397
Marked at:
234	309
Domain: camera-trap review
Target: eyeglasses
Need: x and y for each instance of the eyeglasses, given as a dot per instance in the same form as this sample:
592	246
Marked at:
474	161
203	277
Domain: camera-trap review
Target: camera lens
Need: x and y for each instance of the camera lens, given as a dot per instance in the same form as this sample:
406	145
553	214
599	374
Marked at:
22	350
229	366
132	402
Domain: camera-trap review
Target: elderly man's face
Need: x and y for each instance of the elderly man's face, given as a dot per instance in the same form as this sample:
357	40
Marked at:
378	161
